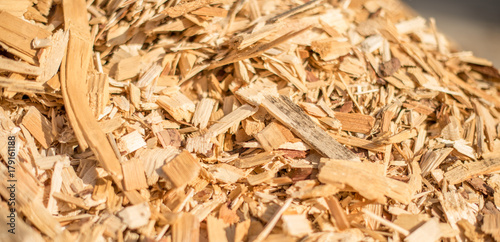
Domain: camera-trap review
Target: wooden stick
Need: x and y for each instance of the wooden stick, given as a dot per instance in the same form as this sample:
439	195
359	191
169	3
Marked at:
270	225
292	116
386	222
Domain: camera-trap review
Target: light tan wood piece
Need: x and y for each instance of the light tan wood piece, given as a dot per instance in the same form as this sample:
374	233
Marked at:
18	34
434	160
53	55
19	67
226	173
186	228
203	111
178	105
216	229
330	49
73	77
360	143
98	93
153	160
337	213
131	142
270	225
133	175
456	208
296	225
292	116
182	169
113	106
255	160
355	122
14	85
135	216
466	171
369	184
491	225
39	126
273	135
429	231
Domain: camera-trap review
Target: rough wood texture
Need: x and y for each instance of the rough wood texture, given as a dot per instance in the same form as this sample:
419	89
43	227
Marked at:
39	126
292	116
17	35
369	184
182	169
240	121
465	171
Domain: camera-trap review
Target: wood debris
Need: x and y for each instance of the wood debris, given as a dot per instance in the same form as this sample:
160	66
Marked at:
243	121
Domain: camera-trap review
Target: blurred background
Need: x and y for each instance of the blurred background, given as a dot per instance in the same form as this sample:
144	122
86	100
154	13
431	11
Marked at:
473	24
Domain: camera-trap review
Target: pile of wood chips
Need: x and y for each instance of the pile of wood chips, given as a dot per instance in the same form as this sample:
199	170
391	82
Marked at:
246	120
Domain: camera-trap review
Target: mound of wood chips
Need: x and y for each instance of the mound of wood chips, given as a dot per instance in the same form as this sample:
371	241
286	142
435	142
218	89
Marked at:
246	120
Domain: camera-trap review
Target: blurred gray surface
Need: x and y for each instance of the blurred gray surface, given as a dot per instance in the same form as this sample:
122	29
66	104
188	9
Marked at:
473	24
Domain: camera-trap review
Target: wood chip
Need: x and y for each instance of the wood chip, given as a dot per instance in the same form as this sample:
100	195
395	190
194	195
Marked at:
182	169
39	126
240	121
369	184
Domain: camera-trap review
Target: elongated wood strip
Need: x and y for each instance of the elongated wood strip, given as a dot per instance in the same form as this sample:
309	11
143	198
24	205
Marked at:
360	143
404	135
51	60
203	112
186	228
337	213
434	160
17	35
255	160
270	225
474	90
466	171
293	117
210	11
231	119
39	126
257	50
19	67
369	184
356	122
386	222
185	7
282	72
301	8
429	231
73	79
22	86
70	199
